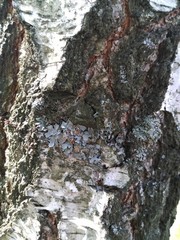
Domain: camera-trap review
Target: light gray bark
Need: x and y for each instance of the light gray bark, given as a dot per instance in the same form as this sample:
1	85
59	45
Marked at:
85	151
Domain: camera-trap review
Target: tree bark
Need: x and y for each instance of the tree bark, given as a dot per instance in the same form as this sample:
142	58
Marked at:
86	152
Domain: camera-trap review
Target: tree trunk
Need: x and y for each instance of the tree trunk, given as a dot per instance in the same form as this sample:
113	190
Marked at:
85	151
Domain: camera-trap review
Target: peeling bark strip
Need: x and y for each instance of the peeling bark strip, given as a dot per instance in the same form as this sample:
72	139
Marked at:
85	151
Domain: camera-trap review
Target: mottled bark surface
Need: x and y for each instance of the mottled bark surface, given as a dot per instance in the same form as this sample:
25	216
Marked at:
88	155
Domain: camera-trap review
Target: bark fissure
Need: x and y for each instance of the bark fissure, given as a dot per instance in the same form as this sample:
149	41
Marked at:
88	155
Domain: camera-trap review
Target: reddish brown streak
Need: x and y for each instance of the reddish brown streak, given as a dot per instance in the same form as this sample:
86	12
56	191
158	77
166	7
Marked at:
121	32
105	54
83	90
163	22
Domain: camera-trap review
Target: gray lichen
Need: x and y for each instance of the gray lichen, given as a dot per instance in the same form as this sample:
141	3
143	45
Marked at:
81	133
150	129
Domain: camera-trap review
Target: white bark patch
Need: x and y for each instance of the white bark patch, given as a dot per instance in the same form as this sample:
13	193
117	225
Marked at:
21	227
3	31
97	204
116	177
172	104
175	229
172	98
71	187
54	23
163	5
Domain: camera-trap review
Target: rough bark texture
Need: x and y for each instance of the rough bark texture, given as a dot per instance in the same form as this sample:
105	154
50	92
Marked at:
90	156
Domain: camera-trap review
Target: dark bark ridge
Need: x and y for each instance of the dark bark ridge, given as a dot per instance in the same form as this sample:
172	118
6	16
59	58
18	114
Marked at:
130	72
126	64
16	137
104	110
